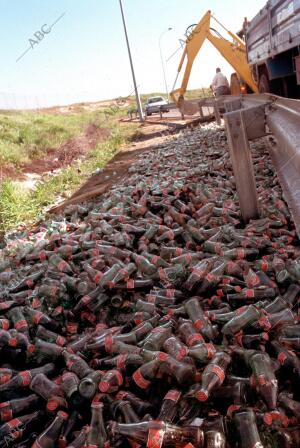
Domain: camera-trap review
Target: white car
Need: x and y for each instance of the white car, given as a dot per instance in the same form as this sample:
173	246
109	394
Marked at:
155	104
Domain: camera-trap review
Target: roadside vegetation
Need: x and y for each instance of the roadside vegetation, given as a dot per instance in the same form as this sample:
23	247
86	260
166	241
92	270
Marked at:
30	135
20	205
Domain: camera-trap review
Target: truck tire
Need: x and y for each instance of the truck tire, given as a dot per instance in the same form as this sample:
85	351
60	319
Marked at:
263	85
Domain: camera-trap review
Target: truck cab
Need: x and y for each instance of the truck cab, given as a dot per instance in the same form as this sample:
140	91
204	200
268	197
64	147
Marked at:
272	42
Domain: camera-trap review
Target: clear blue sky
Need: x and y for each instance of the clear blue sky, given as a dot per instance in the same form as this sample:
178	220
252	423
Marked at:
84	57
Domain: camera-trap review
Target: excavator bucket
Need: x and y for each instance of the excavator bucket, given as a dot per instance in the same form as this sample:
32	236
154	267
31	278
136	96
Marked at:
187	107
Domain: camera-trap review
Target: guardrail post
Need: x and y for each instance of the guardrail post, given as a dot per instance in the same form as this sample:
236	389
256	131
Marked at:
242	164
200	104
217	112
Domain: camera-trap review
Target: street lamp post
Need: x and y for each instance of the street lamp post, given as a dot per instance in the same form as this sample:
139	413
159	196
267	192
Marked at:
137	96
162	59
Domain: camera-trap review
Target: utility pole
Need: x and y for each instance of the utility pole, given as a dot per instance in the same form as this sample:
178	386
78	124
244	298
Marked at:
137	96
162	60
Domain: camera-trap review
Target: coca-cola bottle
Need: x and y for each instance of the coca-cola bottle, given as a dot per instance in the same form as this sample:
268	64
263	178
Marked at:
140	406
24	378
202	352
47	350
14	429
201	323
213	375
70	383
89	384
76	364
111	381
245	424
263	377
163	433
145	374
126	410
49	390
292	406
156	338
80	439
49	437
183	373
96	436
12	408
50	336
169	407
188	333
242	320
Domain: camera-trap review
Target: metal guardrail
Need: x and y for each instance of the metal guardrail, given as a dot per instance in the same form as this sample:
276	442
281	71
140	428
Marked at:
252	116
248	117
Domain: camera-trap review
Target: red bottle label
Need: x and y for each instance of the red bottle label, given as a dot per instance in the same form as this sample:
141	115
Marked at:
240	310
29	283
60	340
36	303
178	251
119	377
196	337
170	235
261	380
37	317
5	377
108	343
26	377
61	265
239	338
121	395
162	356
140	380
173	395
13	342
198	324
232	408
240	254
250	293
155	438
170	293
210	350
151	299
6	415
282	357
162	274
211	278
264	266
130	284
219	372
4	323
121	361
182	353
154	259
15	423
85	300
21	324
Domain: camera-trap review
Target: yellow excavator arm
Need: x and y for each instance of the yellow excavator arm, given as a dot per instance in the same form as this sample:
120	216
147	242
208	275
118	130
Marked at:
233	51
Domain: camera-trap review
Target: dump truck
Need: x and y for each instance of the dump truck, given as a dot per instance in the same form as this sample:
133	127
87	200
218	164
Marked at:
272	46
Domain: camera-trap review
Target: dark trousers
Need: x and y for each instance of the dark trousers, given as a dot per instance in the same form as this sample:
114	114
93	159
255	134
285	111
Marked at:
222	90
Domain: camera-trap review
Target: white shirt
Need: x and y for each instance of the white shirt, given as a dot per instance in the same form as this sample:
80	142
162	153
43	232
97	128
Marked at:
219	81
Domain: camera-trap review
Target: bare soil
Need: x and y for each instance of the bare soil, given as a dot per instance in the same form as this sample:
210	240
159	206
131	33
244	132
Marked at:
60	157
147	138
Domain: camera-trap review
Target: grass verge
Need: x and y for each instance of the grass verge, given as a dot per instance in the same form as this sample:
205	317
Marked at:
18	205
25	136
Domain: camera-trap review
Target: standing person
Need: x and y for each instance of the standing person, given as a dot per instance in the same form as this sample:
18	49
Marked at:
220	85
